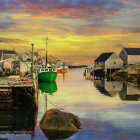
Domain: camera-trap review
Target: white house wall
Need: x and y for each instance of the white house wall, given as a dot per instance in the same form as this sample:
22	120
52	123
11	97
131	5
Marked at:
123	56
132	59
25	66
114	62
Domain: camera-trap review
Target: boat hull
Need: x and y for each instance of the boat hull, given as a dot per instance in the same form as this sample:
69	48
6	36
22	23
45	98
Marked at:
47	76
59	70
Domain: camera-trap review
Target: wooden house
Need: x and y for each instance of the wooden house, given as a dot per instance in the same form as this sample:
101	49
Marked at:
6	54
107	61
27	56
130	55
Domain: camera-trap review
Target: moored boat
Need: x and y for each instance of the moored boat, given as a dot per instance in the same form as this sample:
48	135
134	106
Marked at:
59	70
87	71
47	74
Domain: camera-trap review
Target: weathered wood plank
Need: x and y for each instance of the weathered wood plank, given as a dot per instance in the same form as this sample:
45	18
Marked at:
5	89
21	85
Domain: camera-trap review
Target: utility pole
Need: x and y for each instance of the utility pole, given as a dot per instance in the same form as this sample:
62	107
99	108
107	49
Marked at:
32	69
46	51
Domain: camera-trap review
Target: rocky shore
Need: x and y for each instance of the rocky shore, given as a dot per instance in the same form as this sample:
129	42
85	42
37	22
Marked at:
129	74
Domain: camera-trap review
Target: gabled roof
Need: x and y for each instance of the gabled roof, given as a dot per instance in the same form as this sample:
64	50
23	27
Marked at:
132	51
103	57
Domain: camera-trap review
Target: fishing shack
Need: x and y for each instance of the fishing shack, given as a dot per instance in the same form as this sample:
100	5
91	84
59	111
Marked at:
6	54
130	55
107	62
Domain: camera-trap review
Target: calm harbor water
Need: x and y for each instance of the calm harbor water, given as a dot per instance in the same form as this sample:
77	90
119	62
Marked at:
108	110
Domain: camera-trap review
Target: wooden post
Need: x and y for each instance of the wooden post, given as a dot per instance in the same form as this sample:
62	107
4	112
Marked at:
32	69
46	51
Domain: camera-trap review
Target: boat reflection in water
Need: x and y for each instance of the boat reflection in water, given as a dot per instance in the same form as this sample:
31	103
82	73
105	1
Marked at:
18	121
117	88
48	87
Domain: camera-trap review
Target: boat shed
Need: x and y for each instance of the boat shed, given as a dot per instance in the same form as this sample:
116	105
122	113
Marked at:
130	55
6	54
107	61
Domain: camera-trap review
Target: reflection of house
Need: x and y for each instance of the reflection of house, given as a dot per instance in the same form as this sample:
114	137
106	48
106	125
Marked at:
6	54
130	55
99	84
113	87
109	88
108	61
129	93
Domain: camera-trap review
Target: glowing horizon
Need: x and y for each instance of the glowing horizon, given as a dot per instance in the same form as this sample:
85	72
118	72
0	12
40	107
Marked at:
78	30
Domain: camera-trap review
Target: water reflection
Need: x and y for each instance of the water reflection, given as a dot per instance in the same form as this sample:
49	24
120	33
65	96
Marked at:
17	121
48	87
114	88
57	135
129	93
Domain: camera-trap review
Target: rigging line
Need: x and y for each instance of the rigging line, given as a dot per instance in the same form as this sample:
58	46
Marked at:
55	105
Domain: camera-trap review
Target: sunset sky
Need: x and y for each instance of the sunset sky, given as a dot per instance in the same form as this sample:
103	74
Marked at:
78	30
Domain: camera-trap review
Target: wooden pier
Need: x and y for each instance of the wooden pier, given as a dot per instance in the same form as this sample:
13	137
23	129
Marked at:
16	89
26	87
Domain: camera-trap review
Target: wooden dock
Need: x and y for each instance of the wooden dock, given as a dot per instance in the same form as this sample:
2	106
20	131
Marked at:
10	86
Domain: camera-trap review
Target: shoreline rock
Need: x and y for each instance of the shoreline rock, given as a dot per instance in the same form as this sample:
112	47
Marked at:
126	76
58	124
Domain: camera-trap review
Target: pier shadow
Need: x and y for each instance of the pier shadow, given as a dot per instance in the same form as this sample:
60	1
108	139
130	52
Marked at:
19	121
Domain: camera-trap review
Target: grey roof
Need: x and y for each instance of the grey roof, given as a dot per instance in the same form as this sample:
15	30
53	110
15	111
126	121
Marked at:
103	57
8	51
132	51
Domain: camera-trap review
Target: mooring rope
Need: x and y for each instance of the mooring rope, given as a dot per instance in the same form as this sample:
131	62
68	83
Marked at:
54	105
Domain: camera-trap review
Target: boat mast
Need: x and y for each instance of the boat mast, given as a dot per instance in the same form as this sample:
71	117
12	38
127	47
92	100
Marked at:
46	50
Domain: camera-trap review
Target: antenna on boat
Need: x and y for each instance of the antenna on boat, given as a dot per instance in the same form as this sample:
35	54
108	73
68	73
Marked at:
46	50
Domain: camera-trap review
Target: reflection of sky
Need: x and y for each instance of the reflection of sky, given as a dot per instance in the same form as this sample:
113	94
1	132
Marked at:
79	96
102	117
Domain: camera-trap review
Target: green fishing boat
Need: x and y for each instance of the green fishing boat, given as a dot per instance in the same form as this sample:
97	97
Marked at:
47	74
48	87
